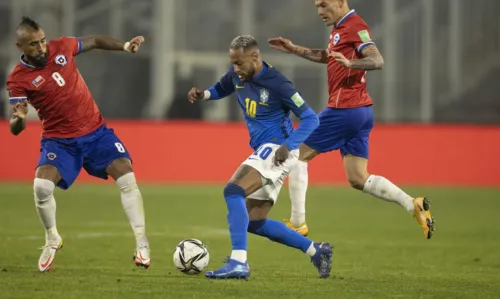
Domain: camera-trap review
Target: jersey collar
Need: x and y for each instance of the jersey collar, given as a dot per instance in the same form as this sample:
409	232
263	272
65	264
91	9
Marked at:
264	69
345	18
26	64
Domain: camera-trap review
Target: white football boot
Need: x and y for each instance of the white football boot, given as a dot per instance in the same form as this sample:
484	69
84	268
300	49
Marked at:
142	257
46	260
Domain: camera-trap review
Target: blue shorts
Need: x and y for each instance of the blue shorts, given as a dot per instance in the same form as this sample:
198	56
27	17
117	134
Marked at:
344	129
94	152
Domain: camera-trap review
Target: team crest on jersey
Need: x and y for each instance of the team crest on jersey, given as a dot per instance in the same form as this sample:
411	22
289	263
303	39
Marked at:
264	95
61	60
336	39
51	156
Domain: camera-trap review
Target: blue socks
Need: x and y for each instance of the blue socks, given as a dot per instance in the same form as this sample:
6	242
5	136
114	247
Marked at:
278	232
237	219
239	224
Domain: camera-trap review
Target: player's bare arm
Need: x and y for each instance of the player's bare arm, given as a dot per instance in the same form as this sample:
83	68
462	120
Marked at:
315	55
100	42
372	59
286	46
18	117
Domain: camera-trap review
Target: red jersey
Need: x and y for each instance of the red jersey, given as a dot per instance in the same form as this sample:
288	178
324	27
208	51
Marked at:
346	86
57	91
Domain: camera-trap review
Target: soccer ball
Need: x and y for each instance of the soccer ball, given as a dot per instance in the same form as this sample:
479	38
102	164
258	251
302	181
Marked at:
191	256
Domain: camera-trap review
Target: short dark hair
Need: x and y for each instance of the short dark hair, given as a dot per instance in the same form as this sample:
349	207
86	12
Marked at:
244	42
27	22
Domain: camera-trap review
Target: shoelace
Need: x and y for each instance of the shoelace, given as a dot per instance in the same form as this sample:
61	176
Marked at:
48	246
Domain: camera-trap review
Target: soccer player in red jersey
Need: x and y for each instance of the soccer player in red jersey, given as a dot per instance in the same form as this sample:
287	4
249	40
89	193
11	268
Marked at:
74	132
347	120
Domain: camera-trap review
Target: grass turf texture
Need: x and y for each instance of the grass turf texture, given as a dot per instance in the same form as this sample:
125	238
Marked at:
380	251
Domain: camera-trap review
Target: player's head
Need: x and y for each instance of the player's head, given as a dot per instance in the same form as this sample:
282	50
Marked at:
245	56
331	11
31	41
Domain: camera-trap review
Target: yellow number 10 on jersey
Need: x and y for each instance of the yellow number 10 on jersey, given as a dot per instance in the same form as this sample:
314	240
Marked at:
251	107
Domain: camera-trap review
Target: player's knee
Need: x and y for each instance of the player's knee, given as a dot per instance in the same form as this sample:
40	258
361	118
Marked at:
43	190
119	168
306	153
233	189
356	181
254	225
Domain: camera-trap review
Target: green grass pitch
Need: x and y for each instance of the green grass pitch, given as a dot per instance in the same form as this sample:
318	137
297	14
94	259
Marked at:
380	251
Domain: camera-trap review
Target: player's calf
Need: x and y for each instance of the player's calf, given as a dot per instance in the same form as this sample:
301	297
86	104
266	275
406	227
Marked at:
237	265
298	182
45	203
237	218
131	197
246	180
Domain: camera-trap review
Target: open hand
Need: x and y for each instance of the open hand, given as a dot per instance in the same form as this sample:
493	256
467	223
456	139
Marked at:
282	44
340	58
20	110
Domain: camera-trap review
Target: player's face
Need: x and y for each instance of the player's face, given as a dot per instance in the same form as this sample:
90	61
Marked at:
330	10
34	46
244	63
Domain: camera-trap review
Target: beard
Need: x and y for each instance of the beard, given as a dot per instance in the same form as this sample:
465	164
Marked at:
38	61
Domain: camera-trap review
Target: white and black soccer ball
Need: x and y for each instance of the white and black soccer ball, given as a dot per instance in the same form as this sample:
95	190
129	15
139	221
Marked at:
191	256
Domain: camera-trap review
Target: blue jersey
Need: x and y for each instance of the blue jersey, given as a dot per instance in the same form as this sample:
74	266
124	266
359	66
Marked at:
266	102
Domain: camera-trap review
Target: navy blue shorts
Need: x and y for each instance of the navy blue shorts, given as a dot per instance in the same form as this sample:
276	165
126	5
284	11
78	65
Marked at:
344	129
94	152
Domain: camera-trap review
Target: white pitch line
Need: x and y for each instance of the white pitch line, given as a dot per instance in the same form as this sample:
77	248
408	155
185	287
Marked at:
198	232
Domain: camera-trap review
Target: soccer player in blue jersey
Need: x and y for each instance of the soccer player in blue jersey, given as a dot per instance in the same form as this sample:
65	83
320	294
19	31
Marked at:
266	98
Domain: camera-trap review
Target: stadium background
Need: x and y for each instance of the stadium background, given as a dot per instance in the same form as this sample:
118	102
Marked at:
436	100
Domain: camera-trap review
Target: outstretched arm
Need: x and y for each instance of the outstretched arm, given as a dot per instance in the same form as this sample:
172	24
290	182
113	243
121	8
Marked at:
286	46
315	55
219	90
92	42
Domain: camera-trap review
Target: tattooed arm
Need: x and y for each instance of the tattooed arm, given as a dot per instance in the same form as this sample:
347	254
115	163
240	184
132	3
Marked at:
286	46
315	55
92	42
372	59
